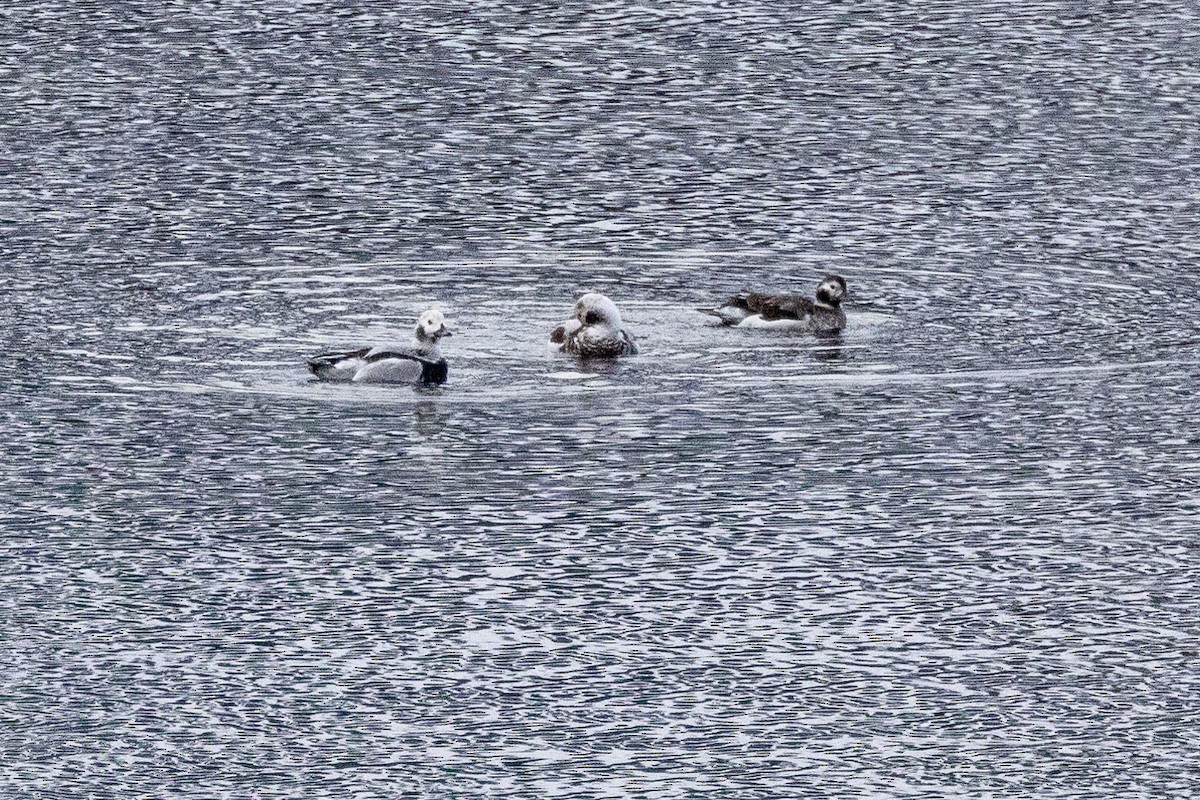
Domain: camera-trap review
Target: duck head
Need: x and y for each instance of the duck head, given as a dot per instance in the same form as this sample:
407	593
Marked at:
831	291
431	326
596	309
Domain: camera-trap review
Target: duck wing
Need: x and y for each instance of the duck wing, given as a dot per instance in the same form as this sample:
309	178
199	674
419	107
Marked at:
783	306
339	366
733	310
401	366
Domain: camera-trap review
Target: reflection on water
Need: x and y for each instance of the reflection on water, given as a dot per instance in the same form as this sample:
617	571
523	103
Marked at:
947	552
829	347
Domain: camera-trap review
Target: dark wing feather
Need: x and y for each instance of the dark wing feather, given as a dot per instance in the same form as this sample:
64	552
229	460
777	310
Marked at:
330	359
433	370
785	306
412	355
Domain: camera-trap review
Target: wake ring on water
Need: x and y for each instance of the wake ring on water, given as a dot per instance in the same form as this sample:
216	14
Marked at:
999	375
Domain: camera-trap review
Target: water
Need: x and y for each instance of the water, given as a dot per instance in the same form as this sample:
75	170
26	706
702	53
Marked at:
950	554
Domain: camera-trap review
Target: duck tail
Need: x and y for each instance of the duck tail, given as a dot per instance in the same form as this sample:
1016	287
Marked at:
728	314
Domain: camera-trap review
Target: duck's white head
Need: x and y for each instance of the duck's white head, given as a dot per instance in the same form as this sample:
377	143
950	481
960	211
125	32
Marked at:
431	326
596	309
831	291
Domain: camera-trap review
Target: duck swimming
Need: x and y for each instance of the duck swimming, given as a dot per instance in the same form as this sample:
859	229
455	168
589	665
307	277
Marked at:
787	312
595	331
422	364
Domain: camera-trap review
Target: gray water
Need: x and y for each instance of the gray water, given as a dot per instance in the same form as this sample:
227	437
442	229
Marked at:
952	554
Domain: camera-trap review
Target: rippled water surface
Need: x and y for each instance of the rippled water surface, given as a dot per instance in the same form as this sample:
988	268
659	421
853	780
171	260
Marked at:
950	554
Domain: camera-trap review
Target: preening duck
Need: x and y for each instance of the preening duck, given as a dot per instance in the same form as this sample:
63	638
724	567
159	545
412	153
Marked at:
787	312
422	364
595	331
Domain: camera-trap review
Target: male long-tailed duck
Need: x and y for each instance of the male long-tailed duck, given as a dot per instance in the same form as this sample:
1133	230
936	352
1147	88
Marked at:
595	331
420	364
787	311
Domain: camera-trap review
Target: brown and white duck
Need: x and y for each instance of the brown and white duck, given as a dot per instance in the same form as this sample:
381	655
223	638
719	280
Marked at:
787	312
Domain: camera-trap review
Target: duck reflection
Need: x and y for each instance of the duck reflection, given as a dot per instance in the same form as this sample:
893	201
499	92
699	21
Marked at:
431	420
830	347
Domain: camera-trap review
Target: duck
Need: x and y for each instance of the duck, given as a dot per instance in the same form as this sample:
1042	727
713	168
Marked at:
786	311
595	331
422	364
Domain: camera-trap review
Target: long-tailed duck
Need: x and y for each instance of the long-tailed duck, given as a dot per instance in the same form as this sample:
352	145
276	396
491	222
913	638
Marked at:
420	364
786	311
595	332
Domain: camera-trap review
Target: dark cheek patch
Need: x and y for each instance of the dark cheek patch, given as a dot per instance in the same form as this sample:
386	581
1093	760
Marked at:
592	318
